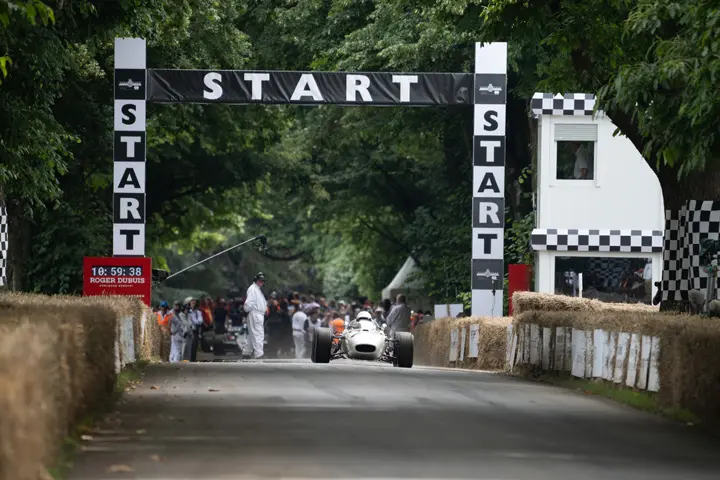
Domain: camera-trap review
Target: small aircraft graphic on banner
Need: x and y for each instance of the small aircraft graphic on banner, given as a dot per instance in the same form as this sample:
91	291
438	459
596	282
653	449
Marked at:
491	89
488	274
130	84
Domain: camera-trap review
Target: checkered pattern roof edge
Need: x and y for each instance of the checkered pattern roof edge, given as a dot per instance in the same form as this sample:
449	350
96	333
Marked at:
590	240
567	104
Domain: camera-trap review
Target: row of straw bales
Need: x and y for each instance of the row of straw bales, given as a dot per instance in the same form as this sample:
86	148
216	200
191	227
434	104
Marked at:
432	342
688	361
689	357
57	365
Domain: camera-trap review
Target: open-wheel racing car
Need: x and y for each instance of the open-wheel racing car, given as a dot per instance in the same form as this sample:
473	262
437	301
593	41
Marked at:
362	339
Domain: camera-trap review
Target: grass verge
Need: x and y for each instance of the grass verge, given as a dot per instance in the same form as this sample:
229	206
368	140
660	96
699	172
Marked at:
639	400
130	375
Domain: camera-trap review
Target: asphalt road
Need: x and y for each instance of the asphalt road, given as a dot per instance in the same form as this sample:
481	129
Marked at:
299	420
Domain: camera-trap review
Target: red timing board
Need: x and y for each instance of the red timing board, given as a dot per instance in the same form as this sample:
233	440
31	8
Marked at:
126	276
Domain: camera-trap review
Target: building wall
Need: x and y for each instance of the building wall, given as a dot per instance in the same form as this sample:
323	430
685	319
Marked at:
624	193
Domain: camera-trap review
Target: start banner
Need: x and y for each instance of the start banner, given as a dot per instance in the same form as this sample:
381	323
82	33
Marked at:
126	276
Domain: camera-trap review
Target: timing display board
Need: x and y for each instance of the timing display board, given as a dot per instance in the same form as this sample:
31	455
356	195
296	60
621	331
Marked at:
126	276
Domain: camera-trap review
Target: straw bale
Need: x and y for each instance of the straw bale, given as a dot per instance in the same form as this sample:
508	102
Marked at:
432	342
57	364
547	302
30	424
689	360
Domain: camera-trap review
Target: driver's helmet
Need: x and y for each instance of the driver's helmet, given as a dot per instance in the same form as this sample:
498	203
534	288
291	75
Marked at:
364	316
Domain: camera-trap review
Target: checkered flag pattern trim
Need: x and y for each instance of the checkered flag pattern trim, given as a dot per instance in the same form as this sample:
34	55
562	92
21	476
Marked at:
568	104
579	240
3	245
685	230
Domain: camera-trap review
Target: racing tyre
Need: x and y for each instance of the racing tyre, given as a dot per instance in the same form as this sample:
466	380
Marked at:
205	344
404	350
219	348
321	345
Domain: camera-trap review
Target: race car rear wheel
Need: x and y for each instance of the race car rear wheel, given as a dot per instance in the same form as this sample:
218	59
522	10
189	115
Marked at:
219	347
404	350
205	345
321	345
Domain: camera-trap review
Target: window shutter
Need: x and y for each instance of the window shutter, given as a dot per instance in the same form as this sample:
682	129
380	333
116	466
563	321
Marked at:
581	132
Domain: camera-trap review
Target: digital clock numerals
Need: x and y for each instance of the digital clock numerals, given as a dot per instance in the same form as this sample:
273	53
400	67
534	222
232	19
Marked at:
117	271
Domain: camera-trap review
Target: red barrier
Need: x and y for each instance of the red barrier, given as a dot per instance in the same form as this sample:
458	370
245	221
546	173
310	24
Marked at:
519	276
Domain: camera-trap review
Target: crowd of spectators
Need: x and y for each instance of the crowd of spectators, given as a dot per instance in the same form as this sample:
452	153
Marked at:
287	335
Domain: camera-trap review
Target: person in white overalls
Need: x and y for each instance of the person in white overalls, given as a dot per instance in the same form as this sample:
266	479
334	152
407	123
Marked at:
256	306
298	328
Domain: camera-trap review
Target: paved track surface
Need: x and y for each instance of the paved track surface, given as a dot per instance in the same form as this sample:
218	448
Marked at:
297	420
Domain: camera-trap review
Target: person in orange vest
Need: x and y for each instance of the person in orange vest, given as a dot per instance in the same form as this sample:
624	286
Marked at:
164	317
206	308
337	326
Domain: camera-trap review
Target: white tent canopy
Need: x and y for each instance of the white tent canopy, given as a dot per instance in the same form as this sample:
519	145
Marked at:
408	282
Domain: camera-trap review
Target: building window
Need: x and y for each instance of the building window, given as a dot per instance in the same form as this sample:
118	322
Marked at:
575	160
575	146
608	279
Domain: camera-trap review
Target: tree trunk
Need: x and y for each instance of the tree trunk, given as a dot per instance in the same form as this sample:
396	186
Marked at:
700	186
18	246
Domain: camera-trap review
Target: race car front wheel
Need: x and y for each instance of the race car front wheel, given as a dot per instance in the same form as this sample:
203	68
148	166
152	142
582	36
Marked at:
404	350
321	345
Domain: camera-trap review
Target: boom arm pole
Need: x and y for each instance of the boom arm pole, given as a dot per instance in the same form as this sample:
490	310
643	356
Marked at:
262	239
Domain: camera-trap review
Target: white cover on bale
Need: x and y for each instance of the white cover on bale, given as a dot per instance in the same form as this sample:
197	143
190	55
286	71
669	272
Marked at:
473	341
623	344
118	363
598	349
526	344
579	352
513	348
654	374
589	353
509	345
535	344
463	337
608	365
568	349
520	353
559	361
546	351
127	341
646	344
453	344
633	359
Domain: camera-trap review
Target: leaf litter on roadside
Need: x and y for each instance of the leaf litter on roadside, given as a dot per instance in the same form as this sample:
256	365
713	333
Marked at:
120	468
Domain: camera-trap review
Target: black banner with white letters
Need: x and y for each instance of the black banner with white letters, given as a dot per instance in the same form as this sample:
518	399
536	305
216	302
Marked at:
310	88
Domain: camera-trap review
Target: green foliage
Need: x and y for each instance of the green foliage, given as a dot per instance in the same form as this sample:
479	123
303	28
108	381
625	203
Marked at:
24	12
655	65
672	91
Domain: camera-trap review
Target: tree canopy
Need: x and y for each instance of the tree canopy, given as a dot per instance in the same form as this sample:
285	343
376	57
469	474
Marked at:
345	195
